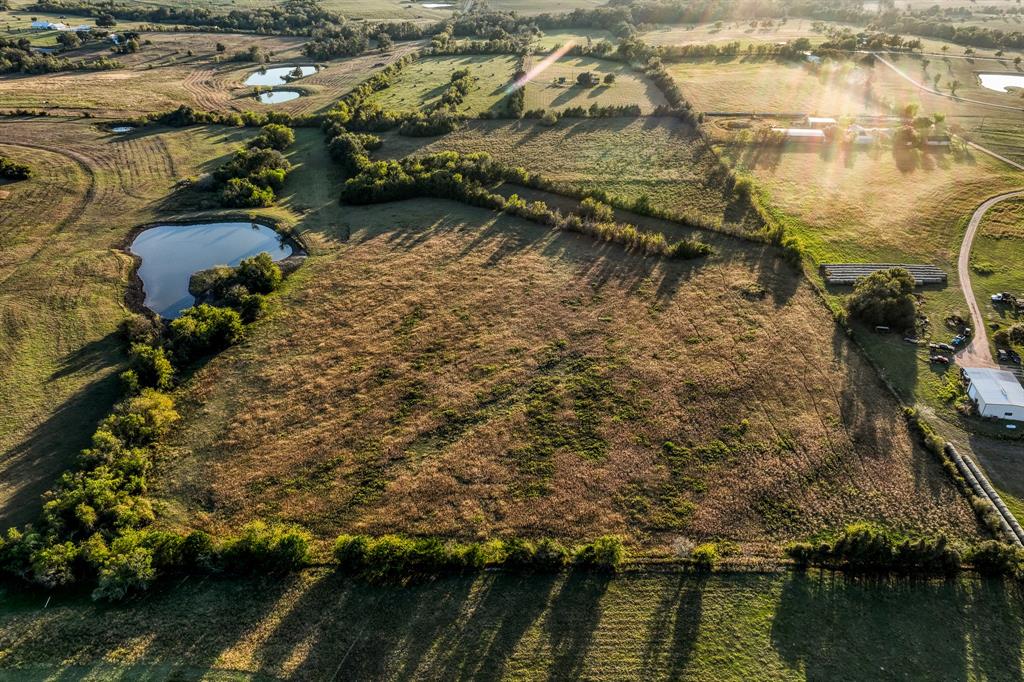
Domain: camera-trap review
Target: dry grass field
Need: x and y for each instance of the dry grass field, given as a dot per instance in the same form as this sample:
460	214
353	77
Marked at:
422	83
445	371
758	85
498	626
185	68
546	91
63	284
628	158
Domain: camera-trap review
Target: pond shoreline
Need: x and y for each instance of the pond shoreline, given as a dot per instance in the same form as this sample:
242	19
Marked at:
135	295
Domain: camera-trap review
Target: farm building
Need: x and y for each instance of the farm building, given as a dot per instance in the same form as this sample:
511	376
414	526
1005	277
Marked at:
820	122
995	392
48	26
938	140
800	134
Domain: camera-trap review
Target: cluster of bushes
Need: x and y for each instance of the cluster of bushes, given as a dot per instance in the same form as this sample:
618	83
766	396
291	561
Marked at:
185	116
16	56
12	170
863	548
391	558
884	298
243	289
251	178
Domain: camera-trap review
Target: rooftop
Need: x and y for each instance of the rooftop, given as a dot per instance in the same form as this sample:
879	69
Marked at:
996	386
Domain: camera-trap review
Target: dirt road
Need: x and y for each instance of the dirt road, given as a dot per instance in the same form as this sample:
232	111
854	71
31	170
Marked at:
976	353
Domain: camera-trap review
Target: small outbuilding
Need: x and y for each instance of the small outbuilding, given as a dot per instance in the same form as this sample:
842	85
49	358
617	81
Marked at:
820	122
995	392
800	134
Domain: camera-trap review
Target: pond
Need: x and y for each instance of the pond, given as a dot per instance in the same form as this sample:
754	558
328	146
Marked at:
121	130
437	5
278	96
278	76
1001	82
171	254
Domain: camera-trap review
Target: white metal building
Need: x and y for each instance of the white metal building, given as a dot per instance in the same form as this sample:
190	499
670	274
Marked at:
800	134
996	392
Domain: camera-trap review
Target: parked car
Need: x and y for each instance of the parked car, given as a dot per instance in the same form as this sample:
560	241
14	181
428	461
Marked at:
1002	297
1002	355
958	340
912	339
940	359
1014	356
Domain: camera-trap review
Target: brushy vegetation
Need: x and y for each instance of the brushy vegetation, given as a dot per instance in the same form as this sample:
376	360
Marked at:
14	171
863	548
251	178
391	558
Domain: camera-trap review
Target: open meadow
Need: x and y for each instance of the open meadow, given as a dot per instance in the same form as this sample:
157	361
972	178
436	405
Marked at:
565	378
422	83
556	87
644	429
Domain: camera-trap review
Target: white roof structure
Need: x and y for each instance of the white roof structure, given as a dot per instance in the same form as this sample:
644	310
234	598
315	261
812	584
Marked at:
997	392
820	120
808	133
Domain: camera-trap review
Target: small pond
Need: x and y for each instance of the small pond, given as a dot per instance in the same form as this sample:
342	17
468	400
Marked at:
171	254
278	76
1001	82
121	130
278	96
437	5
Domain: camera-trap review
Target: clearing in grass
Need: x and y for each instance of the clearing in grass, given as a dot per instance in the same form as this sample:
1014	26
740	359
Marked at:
558	87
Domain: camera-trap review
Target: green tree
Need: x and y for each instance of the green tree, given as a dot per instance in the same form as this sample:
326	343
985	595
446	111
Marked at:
884	298
275	136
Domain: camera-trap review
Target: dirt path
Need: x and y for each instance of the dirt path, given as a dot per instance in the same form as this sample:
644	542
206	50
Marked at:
977	352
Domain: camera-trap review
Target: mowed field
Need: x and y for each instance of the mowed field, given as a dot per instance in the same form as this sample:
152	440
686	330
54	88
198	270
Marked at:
628	158
444	371
63	284
545	91
498	626
767	85
422	83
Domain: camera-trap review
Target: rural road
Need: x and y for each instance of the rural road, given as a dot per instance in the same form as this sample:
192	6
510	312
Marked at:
976	353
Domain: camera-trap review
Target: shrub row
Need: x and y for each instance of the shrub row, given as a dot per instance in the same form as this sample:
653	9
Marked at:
392	558
466	177
185	116
862	548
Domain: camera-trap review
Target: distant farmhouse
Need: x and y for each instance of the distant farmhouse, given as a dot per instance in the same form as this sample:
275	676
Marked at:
995	392
48	26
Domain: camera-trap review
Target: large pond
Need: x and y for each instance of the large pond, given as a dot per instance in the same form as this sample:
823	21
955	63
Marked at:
279	75
1001	82
171	254
278	96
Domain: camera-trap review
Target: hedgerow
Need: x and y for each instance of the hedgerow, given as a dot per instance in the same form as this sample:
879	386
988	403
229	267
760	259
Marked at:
393	558
865	548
